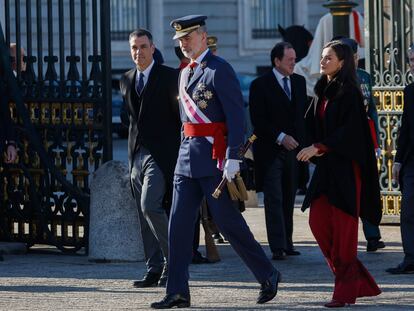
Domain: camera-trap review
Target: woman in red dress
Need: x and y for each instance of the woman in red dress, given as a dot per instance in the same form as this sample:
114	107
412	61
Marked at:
345	180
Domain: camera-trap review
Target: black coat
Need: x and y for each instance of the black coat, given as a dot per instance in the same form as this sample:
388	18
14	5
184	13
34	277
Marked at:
271	113
405	142
154	119
345	131
7	132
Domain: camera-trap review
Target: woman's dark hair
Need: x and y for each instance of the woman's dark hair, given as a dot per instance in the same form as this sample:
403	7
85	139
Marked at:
347	74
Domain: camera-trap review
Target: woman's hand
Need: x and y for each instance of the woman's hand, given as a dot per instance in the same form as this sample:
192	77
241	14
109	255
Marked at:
306	153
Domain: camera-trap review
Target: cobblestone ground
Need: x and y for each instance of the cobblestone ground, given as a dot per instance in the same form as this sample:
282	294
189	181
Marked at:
44	279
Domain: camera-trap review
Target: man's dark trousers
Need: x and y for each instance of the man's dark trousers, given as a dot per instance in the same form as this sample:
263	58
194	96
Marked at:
407	212
280	179
149	188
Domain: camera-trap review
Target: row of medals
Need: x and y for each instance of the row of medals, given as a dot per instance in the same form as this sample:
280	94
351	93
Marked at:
201	95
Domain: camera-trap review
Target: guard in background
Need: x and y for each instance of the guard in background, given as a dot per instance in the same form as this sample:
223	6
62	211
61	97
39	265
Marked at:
372	232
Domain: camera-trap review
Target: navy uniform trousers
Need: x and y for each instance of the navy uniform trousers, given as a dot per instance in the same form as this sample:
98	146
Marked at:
187	196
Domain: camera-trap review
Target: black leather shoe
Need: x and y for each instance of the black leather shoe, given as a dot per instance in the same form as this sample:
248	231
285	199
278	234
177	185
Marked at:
374	245
401	269
279	254
150	280
171	301
301	191
292	252
164	277
199	259
218	239
268	289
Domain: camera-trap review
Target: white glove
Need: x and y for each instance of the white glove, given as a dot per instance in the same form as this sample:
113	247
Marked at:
230	169
378	153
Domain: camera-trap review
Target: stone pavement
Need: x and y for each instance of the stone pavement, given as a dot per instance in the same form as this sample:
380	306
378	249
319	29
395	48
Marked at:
44	279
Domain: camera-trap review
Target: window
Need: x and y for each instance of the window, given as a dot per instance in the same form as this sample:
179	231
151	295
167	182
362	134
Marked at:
258	23
126	16
267	14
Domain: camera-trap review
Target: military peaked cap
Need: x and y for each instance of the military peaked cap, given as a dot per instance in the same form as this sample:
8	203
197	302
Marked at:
187	24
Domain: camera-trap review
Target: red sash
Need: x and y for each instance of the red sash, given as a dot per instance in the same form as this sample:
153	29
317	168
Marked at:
217	130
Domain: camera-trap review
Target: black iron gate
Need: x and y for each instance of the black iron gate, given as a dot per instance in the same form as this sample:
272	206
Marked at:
389	26
61	103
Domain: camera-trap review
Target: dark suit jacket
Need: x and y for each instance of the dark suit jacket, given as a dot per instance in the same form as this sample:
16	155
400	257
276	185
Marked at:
7	132
405	143
154	120
272	112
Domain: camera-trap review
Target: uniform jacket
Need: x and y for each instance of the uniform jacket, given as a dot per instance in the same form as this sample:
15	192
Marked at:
154	118
345	131
7	132
215	88
364	80
271	113
405	142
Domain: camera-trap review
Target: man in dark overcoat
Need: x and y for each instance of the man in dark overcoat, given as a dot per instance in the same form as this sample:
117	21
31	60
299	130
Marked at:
277	103
150	94
403	172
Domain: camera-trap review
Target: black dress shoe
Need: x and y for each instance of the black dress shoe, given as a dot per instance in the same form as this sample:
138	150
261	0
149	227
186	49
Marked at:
279	254
401	269
150	280
268	289
171	301
374	245
301	192
292	252
164	277
218	239
199	259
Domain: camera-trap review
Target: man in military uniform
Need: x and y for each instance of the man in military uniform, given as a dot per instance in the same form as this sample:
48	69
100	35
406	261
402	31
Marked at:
211	108
372	233
212	44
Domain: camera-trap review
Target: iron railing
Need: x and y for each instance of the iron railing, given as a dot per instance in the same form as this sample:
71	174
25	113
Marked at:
61	104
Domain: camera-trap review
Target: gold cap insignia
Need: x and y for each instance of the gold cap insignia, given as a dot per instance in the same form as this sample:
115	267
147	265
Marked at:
177	26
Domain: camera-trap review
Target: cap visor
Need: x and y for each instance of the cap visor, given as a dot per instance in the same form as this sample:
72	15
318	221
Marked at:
180	35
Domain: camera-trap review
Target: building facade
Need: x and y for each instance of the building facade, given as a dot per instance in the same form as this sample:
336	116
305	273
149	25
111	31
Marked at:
246	29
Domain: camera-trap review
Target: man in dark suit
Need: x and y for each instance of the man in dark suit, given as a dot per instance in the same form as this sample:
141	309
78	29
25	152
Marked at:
8	150
277	101
211	106
150	94
403	172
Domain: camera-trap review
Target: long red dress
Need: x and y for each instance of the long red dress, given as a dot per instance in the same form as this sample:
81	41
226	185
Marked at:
337	235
